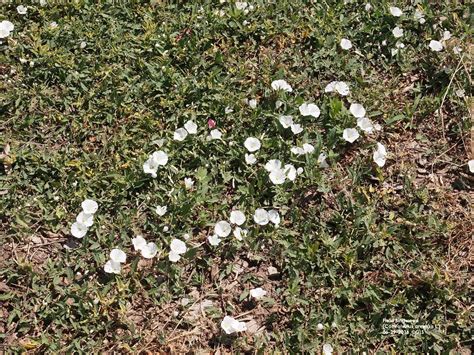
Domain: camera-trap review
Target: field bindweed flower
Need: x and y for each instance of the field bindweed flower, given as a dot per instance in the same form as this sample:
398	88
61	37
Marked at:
290	172
322	160
118	255
365	124
228	110
308	148
327	349
158	158
350	135
346	44
380	154
231	325
309	110
281	85
258	293
274	217
286	121
338	86
296	128
22	10
237	217
216	134
161	210
357	110
397	32
53	25
368	7
89	206
297	150
180	134
446	35
177	247
222	229
214	240
78	230
470	163
252	144
86	219
188	183
112	267
250	159
211	123
272	165
240	233
191	127
320	326
395	11
435	46
277	176
148	250
261	217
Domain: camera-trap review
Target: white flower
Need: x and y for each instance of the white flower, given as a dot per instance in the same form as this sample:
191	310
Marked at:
21	9
86	219
261	217
435	46
286	121
89	206
161	210
395	11
112	267
368	7
186	236
327	349
78	230
188	183
173	256
320	326
138	242
309	110
330	87
250	159
118	256
241	5
83	45
278	104
222	229
281	85
380	154
296	128
419	16
178	246
297	150
277	176
149	250
214	240
397	32
274	217
191	127
180	134
342	88
365	124
240	233
357	110
322	160
252	103
273	164
308	148
350	134
252	144
299	171
228	110
216	134
346	44
470	163
258	293
231	325
290	172
457	50
154	161
53	25
237	217
446	35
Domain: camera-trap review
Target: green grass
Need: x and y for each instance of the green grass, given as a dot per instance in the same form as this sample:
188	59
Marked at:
357	244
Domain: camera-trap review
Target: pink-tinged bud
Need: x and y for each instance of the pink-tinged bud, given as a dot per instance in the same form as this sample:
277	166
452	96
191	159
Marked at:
211	123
